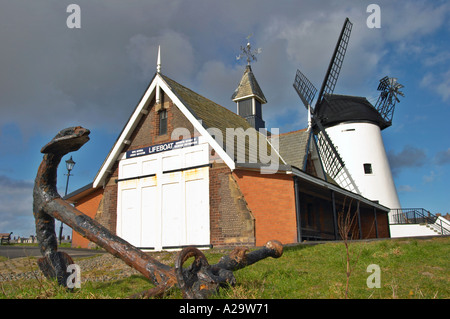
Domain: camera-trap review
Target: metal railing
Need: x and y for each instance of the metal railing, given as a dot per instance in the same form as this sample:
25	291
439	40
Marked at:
411	216
418	216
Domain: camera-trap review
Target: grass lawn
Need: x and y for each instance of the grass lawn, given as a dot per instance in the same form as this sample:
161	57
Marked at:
409	268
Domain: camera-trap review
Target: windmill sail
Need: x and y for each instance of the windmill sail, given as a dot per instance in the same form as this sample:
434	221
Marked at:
305	89
336	62
332	162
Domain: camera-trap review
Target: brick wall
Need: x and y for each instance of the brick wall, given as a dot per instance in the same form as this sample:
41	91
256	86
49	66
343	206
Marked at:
88	205
383	225
272	202
146	132
107	211
367	218
231	221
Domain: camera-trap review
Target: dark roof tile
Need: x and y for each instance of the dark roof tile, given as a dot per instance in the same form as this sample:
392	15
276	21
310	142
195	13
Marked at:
213	115
248	87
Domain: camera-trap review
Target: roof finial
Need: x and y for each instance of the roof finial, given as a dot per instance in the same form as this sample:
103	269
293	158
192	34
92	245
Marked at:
158	62
247	52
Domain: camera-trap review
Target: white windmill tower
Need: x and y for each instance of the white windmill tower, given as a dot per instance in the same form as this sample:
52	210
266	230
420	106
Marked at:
348	130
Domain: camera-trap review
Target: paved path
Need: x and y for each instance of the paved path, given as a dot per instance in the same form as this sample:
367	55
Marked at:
28	251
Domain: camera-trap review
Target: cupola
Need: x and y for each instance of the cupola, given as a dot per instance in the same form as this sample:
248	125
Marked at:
249	99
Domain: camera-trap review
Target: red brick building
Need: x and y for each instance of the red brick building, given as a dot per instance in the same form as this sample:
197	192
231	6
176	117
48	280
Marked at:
187	171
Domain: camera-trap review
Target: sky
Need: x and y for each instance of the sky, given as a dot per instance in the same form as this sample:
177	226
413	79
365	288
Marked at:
53	76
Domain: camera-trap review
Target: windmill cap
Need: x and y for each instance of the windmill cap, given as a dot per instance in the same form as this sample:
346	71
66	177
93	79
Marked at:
336	109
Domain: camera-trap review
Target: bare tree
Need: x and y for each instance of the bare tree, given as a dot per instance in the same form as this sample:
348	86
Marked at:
349	230
347	226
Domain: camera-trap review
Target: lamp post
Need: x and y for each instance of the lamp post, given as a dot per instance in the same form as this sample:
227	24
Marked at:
69	165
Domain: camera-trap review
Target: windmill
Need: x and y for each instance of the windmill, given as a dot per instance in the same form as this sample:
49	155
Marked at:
347	130
331	160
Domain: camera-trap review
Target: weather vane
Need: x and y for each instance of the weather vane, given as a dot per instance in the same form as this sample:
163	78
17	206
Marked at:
247	52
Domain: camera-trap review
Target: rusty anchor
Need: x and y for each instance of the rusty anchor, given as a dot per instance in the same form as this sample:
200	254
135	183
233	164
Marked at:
199	280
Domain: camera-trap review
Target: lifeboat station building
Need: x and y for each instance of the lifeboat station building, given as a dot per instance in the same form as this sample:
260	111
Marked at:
185	171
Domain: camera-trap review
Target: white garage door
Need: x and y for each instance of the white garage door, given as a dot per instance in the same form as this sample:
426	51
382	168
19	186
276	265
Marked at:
163	199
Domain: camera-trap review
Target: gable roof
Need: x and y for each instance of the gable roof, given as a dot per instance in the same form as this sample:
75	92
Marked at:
248	87
293	147
210	113
218	119
207	117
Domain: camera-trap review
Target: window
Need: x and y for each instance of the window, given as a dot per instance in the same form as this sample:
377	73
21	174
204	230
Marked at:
162	122
368	168
258	109
245	108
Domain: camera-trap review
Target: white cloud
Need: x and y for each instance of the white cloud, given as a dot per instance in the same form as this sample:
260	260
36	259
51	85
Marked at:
177	54
431	177
406	189
443	88
408	20
409	157
216	81
16	209
437	59
311	40
438	83
442	157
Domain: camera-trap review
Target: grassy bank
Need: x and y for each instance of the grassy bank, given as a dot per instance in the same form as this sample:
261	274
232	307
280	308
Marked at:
409	268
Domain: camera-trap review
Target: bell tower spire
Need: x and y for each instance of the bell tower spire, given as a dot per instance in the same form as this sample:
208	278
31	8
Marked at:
248	95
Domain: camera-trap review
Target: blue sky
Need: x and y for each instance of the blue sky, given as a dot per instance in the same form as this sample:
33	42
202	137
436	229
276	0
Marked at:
53	77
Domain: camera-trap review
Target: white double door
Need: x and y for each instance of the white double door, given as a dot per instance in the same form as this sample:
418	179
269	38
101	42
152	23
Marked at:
163	199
